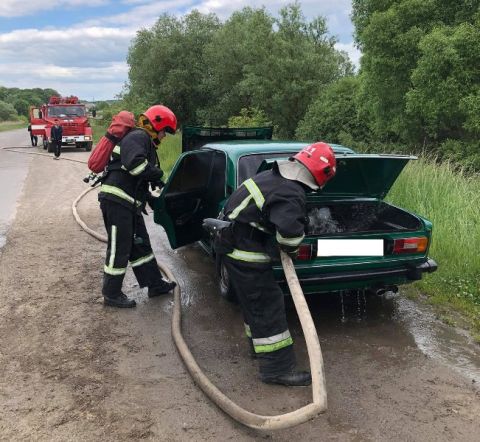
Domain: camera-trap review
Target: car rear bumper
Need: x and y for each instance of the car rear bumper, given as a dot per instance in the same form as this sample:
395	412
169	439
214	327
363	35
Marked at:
409	273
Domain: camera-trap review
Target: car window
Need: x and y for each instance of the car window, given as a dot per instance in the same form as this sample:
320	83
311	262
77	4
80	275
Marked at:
249	164
201	170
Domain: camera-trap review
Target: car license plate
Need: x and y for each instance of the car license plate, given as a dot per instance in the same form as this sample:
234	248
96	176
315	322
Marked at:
350	247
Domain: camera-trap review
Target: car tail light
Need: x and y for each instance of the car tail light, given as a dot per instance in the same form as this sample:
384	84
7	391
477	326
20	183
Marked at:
306	252
410	245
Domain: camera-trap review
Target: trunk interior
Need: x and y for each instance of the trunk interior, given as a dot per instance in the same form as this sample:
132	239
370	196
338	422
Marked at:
358	217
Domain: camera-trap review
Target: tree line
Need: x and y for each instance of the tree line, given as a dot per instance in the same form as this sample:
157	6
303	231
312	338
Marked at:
417	88
15	102
209	71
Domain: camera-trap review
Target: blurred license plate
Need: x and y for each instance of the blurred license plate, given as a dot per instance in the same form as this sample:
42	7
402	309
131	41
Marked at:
350	247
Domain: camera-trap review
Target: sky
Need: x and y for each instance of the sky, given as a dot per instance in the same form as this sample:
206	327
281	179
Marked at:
79	47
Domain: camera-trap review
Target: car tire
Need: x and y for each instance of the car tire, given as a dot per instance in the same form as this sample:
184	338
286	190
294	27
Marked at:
44	143
225	286
88	146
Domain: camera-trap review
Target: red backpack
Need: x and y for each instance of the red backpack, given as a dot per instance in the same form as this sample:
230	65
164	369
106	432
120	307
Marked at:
121	124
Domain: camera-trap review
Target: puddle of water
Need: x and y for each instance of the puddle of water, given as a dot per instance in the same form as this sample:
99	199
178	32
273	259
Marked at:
395	321
451	346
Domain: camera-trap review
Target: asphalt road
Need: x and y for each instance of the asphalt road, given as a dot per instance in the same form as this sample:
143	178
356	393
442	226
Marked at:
72	369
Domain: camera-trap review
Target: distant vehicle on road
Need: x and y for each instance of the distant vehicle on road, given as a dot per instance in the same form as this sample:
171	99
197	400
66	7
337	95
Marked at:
71	115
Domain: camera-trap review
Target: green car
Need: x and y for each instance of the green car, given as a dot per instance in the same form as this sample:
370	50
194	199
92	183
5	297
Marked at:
385	245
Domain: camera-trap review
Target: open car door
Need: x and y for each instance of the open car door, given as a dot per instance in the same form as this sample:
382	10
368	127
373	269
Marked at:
194	191
36	120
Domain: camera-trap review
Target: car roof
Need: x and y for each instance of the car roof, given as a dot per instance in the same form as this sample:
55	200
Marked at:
237	149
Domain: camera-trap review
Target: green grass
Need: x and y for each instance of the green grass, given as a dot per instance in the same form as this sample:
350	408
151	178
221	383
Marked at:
98	128
451	200
169	151
11	125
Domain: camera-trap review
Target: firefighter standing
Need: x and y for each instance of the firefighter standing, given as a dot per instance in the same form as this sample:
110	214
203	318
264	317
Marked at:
123	194
57	133
267	211
33	138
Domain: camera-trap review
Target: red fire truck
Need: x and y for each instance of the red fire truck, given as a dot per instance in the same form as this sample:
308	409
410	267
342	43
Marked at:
70	114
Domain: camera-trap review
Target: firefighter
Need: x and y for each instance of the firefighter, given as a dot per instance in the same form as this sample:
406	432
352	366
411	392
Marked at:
33	138
269	211
57	133
123	194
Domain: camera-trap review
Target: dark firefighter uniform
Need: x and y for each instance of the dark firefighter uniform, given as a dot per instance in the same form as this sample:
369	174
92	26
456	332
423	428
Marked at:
267	211
123	194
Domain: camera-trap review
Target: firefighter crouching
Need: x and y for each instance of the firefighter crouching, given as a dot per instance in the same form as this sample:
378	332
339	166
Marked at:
123	194
269	211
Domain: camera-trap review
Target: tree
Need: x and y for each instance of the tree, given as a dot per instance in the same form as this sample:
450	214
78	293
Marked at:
393	36
21	106
333	115
7	112
445	82
207	71
166	62
249	118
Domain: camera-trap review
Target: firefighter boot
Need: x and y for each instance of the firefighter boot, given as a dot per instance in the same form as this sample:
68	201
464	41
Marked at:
120	301
290	379
161	288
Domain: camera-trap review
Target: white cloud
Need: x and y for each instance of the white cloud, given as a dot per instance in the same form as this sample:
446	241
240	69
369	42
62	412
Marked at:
353	53
103	82
19	8
66	47
144	15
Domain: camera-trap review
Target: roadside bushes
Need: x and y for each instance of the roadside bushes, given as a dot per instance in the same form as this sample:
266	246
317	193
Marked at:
466	154
251	117
333	115
7	112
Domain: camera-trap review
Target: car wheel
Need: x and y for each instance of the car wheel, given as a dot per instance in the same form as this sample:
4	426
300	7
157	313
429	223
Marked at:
88	146
226	289
44	142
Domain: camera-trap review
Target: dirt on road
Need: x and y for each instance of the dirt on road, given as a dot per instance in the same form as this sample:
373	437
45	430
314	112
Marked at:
72	369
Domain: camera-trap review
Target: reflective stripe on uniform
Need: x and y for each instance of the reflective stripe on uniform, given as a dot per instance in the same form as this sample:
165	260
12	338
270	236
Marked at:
113	271
140	261
139	169
259	227
248	332
272	343
113	246
255	192
112	190
110	269
116	149
242	255
240	207
295	241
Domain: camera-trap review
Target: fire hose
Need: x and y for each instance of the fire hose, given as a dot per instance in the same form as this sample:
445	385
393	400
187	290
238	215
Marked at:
252	420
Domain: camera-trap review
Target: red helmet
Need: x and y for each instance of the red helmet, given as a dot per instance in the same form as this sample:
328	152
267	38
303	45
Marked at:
319	159
161	117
